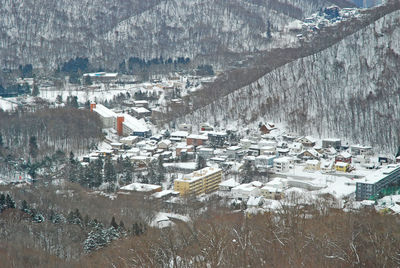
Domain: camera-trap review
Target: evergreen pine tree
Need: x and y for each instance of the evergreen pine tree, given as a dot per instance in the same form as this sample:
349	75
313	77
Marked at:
110	175
33	147
25	207
200	163
35	91
2	201
121	225
113	223
9	202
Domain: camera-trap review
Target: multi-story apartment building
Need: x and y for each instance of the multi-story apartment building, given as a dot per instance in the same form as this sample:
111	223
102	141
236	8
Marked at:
376	181
198	182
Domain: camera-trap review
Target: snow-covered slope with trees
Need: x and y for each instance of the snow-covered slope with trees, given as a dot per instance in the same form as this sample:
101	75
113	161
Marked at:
46	33
350	89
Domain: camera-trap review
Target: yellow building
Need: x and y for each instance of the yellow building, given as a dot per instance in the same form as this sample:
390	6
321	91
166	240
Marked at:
342	166
198	182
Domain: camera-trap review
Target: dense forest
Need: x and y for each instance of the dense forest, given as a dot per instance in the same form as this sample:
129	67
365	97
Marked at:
317	235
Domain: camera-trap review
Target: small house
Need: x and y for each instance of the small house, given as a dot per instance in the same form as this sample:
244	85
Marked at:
343	157
342	166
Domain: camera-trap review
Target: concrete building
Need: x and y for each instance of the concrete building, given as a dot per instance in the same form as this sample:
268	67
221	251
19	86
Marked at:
313	165
375	182
244	191
282	164
196	140
342	166
107	117
198	182
226	186
334	143
135	127
141	187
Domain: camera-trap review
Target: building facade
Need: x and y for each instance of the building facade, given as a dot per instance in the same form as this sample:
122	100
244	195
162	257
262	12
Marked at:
203	181
377	181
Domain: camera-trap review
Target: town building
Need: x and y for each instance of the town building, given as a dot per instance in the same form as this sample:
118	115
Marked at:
196	140
226	186
343	157
282	164
206	180
140	112
141	187
342	166
376	181
313	165
107	117
135	127
244	191
334	143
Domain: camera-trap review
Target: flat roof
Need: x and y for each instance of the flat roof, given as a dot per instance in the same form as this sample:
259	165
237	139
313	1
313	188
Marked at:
229	183
104	111
199	174
140	110
134	124
141	187
379	174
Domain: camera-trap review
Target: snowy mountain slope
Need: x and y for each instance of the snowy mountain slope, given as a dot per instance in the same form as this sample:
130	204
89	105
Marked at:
350	89
46	33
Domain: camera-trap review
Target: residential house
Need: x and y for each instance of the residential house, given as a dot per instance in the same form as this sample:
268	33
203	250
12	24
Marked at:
313	165
342	166
226	186
255	202
244	191
183	148
343	157
269	192
196	140
140	112
282	164
307	141
360	149
164	144
205	152
141	187
179	136
309	154
332	143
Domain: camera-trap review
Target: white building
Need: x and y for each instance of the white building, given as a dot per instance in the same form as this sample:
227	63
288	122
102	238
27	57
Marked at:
107	117
226	186
135	127
282	164
244	191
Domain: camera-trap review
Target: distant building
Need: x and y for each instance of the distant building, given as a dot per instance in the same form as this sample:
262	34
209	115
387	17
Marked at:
307	141
376	181
282	164
226	186
135	127
196	140
141	187
244	191
343	157
313	165
342	166
102	77
107	117
206	180
334	143
140	112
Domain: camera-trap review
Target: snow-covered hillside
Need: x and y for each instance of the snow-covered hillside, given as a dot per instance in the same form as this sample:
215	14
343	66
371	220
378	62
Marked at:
46	33
350	90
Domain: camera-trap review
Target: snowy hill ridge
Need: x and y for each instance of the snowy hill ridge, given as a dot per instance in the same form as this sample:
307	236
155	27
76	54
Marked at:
46	33
350	89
